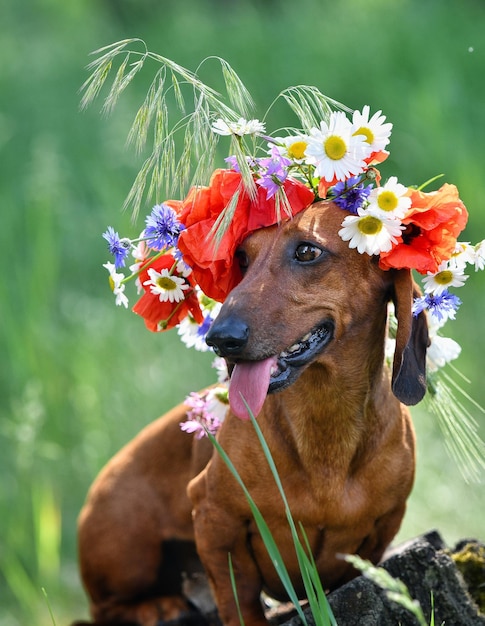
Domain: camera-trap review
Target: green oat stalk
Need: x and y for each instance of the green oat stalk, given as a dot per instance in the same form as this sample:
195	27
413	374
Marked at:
167	167
170	80
459	427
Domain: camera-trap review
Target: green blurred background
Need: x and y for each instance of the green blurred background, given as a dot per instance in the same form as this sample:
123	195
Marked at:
79	377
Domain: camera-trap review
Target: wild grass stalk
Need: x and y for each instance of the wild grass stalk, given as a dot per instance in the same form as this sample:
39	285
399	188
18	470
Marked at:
395	589
170	80
234	589
266	535
315	593
47	601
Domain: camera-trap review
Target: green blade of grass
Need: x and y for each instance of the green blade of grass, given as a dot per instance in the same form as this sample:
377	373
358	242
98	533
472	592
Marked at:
266	535
316	596
234	589
308	568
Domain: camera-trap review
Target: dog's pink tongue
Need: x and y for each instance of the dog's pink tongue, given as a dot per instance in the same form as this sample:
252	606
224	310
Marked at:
249	380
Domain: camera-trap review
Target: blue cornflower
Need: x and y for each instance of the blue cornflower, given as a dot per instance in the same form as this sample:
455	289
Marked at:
350	194
204	327
443	306
162	227
119	248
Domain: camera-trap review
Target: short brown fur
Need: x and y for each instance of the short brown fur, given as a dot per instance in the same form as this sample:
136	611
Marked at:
342	441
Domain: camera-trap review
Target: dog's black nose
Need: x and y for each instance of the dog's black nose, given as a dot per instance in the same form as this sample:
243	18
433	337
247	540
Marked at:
228	337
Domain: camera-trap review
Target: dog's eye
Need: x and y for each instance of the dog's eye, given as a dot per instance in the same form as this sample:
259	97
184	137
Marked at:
307	252
242	260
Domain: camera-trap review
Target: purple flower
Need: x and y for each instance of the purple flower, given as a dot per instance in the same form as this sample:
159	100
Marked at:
443	306
200	417
162	227
234	165
119	248
350	194
273	172
232	162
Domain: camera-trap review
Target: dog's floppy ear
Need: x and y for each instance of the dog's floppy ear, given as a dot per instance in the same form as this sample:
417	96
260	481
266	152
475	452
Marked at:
409	367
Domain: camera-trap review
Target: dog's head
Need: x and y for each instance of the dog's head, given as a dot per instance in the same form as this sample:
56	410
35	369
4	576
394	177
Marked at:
305	297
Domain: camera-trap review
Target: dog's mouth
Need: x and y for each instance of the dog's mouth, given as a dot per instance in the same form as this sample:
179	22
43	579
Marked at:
251	381
292	360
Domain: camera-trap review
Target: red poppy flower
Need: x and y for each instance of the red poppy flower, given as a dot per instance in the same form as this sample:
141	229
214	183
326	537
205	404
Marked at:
377	157
212	264
160	315
324	186
433	224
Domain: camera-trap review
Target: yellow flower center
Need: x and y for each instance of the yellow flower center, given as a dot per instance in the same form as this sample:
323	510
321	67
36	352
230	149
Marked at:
459	250
335	147
368	134
111	283
387	200
164	282
444	278
222	396
370	225
296	150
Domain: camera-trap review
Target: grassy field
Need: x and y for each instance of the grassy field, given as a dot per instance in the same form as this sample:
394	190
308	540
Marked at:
80	377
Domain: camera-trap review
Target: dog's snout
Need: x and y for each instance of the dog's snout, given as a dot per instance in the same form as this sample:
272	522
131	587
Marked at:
228	337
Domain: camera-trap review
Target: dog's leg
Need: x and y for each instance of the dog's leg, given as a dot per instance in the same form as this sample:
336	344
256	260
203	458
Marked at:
384	531
221	535
136	542
125	570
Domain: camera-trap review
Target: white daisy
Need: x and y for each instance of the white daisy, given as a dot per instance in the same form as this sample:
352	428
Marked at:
220	365
335	151
292	147
241	127
208	305
390	200
370	233
375	131
117	285
115	278
446	276
183	269
166	286
193	334
250	127
189	333
140	251
217	402
441	350
479	257
221	127
140	254
120	297
463	255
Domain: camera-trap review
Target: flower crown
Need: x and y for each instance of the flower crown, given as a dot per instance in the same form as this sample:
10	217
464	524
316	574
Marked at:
184	260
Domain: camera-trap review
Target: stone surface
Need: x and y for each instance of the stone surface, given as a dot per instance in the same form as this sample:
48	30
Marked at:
428	571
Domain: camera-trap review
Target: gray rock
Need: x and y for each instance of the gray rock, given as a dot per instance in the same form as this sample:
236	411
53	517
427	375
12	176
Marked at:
428	572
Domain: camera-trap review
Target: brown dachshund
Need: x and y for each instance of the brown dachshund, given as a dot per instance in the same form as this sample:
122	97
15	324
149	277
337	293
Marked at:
308	321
